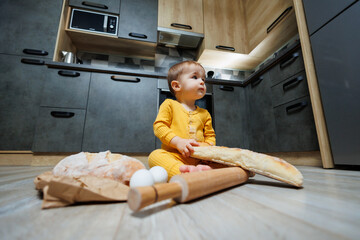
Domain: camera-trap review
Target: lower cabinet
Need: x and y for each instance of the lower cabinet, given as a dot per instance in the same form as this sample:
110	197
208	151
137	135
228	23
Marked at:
21	83
120	114
59	130
230	116
261	117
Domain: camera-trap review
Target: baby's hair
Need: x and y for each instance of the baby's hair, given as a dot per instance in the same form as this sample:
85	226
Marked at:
177	69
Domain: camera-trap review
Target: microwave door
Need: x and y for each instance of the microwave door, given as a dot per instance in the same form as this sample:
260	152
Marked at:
88	21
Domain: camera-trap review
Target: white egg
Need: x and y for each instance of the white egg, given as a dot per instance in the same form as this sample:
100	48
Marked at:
159	174
141	178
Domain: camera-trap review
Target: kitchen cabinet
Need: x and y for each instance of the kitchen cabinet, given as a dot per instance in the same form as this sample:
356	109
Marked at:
336	58
263	135
110	6
186	15
138	20
29	27
59	130
21	83
230	116
120	114
319	12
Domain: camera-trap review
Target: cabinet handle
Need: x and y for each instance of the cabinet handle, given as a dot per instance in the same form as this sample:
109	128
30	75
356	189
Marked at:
128	79
68	73
289	61
178	25
226	88
292	83
35	52
33	61
95	5
296	107
276	22
221	47
59	114
257	81
137	35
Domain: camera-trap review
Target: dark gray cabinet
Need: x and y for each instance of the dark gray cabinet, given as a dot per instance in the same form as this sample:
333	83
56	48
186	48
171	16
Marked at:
66	89
336	56
319	12
31	25
59	130
138	20
111	6
262	133
20	90
230	116
120	114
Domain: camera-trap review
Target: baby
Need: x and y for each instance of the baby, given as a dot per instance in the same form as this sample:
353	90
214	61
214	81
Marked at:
180	124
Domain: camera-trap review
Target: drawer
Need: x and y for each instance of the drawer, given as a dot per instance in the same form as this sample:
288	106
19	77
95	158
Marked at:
59	130
292	88
287	67
111	6
295	126
66	89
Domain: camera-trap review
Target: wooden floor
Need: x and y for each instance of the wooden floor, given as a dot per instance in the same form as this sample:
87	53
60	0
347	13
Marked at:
328	207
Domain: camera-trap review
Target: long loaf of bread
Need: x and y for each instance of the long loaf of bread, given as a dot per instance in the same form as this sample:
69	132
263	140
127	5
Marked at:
256	162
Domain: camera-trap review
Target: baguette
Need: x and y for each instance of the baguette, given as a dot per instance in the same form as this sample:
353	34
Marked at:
263	164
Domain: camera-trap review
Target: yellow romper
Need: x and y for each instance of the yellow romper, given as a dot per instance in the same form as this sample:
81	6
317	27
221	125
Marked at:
174	120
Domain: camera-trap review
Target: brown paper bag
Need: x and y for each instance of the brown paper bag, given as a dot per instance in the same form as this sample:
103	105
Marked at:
60	191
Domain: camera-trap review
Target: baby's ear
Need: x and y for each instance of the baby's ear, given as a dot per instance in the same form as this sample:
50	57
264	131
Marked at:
175	85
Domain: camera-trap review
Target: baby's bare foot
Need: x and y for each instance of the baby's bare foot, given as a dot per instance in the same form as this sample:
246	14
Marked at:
191	168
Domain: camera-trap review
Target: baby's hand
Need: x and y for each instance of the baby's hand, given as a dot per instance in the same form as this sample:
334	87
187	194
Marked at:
184	146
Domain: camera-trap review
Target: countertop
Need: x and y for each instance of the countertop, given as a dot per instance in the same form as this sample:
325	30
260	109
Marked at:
326	208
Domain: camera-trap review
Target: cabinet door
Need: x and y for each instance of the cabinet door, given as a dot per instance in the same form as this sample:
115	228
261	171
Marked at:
336	56
230	116
138	20
261	116
20	91
111	6
66	89
120	114
184	15
224	24
29	25
59	130
319	12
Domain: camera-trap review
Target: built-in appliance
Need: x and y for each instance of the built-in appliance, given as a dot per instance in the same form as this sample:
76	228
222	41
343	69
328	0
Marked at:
179	38
97	22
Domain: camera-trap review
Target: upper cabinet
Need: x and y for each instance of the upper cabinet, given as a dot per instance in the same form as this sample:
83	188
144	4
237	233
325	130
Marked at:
186	15
111	6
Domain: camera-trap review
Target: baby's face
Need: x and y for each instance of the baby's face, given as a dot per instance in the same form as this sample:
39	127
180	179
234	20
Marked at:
192	82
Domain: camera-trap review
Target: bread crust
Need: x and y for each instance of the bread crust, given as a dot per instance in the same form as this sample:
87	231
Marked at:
263	164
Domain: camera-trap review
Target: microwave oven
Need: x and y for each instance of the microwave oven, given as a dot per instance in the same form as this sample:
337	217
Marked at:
96	22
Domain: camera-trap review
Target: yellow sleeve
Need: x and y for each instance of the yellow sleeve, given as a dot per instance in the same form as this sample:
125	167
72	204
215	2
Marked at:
209	133
162	123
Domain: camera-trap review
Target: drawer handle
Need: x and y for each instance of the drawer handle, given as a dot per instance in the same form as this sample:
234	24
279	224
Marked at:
226	88
128	79
35	52
289	61
32	61
257	81
95	5
296	107
137	35
178	25
292	83
276	22
59	114
68	73
221	47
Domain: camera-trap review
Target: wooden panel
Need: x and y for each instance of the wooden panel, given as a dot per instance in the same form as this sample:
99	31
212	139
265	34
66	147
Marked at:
188	12
224	24
316	103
